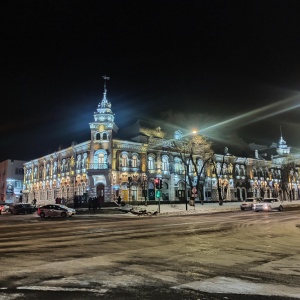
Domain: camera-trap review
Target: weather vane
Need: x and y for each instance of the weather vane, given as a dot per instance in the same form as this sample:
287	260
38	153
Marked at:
105	78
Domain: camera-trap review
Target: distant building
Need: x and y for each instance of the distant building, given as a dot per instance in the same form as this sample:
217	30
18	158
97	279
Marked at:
11	180
127	161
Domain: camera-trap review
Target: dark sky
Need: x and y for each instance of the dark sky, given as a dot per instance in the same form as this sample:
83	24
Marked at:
231	65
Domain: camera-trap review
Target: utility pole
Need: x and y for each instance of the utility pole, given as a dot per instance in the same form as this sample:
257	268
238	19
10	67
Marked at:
186	194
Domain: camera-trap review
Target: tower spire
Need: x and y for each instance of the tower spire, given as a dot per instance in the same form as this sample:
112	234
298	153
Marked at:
104	101
105	78
282	148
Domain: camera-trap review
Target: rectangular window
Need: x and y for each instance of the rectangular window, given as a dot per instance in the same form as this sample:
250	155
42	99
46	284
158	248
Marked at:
18	184
19	171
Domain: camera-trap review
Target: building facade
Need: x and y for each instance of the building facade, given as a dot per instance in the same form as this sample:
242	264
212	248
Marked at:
11	180
109	165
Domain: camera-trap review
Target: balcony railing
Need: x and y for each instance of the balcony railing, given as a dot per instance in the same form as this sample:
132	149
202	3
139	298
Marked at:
98	166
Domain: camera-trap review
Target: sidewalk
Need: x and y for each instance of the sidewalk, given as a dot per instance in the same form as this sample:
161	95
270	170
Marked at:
177	209
183	209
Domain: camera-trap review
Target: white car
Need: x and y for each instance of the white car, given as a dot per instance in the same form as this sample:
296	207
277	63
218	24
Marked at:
55	210
268	204
247	204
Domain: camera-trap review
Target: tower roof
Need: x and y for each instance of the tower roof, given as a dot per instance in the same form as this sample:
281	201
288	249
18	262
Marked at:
104	114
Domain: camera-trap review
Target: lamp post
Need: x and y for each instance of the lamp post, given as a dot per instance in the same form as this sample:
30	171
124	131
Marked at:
186	194
221	175
186	177
129	188
144	188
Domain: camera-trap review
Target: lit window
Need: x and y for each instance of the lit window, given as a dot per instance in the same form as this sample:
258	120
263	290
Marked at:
199	165
178	166
101	158
18	184
124	159
150	163
134	161
165	163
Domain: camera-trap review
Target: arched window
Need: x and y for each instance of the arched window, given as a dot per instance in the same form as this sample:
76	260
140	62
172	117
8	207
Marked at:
151	165
266	173
181	185
218	168
78	162
191	168
178	166
104	136
101	159
199	165
41	172
124	160
165	163
243	170
97	137
134	161
237	170
254	172
35	172
55	167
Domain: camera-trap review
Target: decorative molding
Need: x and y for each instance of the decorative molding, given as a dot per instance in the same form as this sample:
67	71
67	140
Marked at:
160	142
129	146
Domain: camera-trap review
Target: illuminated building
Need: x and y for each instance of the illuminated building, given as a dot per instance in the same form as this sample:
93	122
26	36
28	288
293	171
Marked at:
127	161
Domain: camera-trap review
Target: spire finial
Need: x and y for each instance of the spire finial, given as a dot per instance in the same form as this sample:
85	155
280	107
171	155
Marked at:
105	78
280	131
104	101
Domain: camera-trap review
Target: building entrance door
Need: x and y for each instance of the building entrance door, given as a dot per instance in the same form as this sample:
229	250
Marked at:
100	194
181	195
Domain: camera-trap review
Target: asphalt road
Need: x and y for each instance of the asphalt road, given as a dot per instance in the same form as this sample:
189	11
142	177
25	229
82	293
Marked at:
233	255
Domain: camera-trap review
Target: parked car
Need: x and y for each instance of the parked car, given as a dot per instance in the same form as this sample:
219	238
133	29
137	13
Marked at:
247	204
3	207
22	208
268	204
55	210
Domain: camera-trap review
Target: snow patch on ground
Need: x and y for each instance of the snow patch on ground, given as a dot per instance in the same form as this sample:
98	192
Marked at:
238	286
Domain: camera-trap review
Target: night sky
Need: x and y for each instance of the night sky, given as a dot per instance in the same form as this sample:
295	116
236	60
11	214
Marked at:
230	69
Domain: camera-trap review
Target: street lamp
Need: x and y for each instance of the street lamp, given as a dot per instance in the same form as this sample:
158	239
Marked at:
144	188
186	194
129	184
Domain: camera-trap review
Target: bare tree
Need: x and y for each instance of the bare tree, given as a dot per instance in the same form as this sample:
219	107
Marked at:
287	178
194	151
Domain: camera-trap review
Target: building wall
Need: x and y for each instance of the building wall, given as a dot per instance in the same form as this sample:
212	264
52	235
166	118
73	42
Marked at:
11	180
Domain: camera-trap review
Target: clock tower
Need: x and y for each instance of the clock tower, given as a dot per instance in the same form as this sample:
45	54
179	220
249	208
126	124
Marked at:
102	129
